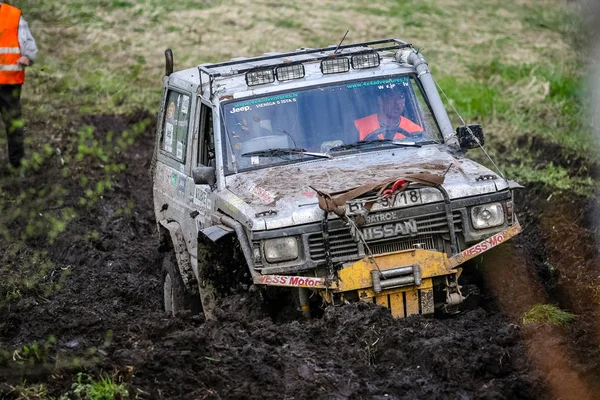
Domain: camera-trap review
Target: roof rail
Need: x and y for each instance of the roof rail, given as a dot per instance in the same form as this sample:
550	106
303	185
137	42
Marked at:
383	44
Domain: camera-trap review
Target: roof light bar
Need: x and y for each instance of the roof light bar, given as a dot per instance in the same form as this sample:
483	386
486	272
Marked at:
289	72
366	60
260	77
335	65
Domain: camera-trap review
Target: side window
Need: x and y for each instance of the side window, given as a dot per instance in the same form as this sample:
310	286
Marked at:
206	148
175	129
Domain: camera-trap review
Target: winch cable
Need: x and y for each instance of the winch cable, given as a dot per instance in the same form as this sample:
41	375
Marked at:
336	204
364	242
326	244
468	129
359	234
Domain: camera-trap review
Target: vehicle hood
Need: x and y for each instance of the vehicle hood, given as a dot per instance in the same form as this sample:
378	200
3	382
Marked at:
283	196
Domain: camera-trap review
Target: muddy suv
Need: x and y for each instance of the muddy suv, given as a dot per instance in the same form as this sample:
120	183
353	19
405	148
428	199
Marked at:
335	171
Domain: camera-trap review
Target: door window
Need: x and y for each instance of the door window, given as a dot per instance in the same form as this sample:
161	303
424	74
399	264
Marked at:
207	139
175	131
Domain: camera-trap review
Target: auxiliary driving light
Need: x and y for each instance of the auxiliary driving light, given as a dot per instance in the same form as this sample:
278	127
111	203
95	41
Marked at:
366	60
335	65
289	72
260	77
487	216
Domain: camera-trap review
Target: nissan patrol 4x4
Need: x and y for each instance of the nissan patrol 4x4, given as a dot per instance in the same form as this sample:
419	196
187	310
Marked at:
334	170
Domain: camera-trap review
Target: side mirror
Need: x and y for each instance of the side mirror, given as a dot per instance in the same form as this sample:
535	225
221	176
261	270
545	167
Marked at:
466	139
204	175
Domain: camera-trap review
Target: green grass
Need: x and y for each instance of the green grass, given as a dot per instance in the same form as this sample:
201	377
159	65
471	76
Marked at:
408	10
288	23
555	177
104	388
547	314
473	99
86	388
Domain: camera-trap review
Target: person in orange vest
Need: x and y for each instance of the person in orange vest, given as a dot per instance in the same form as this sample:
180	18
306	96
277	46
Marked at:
388	122
17	51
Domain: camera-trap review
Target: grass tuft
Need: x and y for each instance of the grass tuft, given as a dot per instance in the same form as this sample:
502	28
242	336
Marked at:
102	389
547	314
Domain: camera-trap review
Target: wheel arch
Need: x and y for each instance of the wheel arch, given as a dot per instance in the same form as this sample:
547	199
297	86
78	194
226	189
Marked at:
171	238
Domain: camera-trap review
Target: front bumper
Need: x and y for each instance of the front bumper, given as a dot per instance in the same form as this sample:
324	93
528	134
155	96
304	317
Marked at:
401	281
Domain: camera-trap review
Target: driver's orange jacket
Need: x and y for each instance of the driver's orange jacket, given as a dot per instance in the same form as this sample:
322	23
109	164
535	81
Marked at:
11	73
371	123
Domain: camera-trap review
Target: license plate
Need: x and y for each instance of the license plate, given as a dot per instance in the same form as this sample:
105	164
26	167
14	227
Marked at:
405	198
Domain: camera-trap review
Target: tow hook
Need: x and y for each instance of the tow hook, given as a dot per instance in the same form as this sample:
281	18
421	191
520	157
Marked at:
454	297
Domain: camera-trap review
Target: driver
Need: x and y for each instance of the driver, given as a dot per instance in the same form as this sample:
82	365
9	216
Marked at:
388	120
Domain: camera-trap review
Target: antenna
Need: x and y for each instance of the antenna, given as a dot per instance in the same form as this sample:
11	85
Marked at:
341	41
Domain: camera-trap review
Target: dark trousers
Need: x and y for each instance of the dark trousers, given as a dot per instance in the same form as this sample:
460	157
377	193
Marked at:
10	108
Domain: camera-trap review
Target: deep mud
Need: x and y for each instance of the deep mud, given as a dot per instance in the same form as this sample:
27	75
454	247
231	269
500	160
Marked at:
107	319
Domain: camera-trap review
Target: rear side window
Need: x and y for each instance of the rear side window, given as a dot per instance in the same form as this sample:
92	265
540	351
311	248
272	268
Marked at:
175	131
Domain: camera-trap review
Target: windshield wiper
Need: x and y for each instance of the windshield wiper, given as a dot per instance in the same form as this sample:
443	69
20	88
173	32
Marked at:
363	143
284	151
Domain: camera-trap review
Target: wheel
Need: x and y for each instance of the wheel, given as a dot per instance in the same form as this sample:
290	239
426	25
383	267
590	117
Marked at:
222	271
176	298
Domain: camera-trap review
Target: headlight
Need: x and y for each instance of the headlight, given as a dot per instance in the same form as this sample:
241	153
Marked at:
281	249
487	216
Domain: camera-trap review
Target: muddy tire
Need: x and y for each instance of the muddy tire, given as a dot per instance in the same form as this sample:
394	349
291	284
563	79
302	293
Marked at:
222	272
176	298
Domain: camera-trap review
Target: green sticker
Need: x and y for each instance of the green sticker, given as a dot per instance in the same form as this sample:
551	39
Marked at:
267	99
377	82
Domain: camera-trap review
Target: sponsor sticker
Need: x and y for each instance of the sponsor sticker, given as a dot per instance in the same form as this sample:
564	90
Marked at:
185	104
484	245
171	110
181	187
179	150
169	137
290	281
174	178
263	194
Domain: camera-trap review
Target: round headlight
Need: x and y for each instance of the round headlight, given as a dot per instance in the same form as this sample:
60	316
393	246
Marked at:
281	249
487	215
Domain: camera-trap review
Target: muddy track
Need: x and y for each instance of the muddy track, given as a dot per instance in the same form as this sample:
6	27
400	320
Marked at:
108	316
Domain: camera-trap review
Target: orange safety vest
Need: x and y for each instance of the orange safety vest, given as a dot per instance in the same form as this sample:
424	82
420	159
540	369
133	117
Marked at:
370	123
11	72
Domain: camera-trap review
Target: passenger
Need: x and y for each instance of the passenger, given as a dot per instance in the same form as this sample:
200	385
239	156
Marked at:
388	122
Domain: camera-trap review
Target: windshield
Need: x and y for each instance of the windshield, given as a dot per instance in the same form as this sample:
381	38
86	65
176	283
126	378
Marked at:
302	125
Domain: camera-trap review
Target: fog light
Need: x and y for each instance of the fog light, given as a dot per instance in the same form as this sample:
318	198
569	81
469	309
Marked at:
289	72
260	77
487	216
281	249
335	65
367	60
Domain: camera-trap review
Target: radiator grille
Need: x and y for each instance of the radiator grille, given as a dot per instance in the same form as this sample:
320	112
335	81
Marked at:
424	242
341	244
343	247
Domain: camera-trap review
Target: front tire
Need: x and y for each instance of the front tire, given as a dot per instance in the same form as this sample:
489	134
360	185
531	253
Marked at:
176	297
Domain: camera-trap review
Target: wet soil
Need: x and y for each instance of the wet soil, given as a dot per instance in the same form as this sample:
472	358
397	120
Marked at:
107	318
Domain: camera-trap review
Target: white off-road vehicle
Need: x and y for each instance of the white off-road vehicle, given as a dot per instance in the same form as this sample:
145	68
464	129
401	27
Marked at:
335	171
